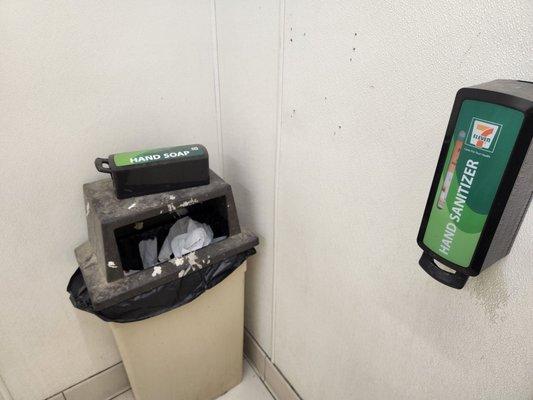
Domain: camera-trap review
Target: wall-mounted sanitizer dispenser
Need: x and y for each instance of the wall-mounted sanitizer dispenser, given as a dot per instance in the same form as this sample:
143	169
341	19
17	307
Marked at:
483	183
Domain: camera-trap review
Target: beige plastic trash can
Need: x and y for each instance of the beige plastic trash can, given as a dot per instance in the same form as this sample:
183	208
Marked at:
191	353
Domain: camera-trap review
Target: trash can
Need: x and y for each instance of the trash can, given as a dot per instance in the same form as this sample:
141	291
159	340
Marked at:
198	346
178	324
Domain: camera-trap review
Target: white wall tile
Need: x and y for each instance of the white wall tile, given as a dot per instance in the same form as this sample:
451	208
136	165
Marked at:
367	92
81	80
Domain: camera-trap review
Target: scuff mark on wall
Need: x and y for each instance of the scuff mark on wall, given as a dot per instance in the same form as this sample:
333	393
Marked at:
470	47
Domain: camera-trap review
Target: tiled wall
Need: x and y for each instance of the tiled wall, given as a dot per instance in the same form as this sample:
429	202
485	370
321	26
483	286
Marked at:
82	80
364	93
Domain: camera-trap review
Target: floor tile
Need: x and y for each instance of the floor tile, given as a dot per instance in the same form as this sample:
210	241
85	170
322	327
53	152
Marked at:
125	396
251	388
255	354
58	396
277	383
105	385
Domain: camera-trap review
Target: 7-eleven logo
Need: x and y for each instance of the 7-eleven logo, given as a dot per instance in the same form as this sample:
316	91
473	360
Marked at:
484	134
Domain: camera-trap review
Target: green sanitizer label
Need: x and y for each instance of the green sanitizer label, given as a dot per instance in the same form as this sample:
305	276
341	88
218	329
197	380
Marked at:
149	156
483	139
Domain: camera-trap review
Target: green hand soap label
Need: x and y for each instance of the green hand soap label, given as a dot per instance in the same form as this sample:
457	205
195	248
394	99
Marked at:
149	156
481	145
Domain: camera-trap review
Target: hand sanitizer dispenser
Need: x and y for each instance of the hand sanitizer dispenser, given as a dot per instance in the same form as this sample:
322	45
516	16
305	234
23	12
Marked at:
483	182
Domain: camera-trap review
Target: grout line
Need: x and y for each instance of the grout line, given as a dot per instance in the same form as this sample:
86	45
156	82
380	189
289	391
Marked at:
86	379
285	379
268	389
4	391
120	394
52	396
276	174
269	361
252	364
216	79
258	374
255	341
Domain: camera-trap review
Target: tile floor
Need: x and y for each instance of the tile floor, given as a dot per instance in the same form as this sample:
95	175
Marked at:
251	388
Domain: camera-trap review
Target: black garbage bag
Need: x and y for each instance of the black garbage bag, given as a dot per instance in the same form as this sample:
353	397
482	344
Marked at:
160	299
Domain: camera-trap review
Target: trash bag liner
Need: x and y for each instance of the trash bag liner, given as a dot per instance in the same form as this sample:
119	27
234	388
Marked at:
160	299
